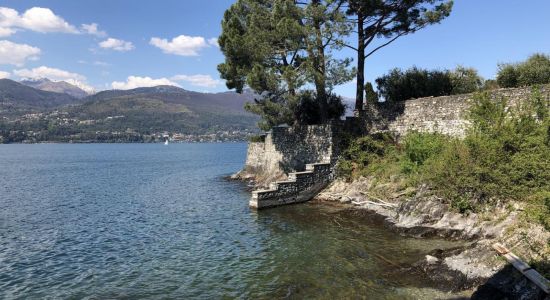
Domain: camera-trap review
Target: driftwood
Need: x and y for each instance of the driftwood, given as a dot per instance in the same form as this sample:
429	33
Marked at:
523	267
378	199
374	203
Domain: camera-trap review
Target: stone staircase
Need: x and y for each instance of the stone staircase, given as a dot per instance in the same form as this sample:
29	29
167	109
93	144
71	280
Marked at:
299	187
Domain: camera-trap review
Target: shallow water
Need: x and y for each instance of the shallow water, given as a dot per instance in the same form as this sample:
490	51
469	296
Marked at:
153	221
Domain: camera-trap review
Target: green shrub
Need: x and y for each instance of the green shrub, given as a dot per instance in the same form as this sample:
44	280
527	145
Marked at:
535	70
507	76
370	95
504	156
400	85
465	80
256	138
308	111
419	147
364	153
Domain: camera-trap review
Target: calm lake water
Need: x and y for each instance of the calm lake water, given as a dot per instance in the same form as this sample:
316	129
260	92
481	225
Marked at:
152	221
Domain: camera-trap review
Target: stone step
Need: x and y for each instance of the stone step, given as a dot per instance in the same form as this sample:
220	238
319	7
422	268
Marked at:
299	187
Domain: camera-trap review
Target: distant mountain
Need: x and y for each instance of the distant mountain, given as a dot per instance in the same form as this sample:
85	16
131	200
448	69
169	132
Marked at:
137	114
167	108
16	95
62	87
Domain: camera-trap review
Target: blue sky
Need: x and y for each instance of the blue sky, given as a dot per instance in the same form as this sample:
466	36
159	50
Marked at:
135	43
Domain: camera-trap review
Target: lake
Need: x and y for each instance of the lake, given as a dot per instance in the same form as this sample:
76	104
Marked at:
148	221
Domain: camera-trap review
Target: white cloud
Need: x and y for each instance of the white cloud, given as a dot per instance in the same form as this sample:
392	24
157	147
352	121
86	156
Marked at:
181	45
36	19
101	63
214	42
116	44
47	72
4	74
198	80
16	54
133	82
93	29
4	32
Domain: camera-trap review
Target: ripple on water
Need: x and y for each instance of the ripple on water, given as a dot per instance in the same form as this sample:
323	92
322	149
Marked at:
147	221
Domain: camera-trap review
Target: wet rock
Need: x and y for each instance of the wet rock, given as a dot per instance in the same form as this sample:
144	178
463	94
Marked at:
431	259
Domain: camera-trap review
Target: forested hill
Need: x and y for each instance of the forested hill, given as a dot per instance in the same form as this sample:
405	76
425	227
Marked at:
149	111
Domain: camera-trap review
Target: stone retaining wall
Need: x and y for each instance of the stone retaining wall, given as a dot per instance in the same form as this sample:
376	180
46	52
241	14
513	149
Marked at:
299	187
446	114
289	149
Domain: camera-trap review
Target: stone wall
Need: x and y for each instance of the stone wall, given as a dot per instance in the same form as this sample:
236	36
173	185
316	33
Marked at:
444	114
289	149
299	187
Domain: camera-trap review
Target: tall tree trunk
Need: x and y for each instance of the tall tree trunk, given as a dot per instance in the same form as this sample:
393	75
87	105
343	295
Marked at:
317	51
320	83
359	97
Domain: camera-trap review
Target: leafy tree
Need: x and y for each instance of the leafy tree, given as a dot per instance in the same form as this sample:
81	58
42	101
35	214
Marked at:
370	95
388	19
400	85
465	80
507	76
308	110
535	70
277	47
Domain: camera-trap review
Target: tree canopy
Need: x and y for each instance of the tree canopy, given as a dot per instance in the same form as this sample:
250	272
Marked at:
388	20
283	49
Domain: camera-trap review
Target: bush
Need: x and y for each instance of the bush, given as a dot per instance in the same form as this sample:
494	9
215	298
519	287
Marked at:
363	153
419	147
370	95
308	110
465	80
413	83
504	156
507	76
257	139
535	70
417	83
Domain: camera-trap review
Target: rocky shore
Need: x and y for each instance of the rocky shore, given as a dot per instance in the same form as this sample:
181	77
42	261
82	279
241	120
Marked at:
417	212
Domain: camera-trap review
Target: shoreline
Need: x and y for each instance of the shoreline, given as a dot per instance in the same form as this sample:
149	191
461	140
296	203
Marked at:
473	266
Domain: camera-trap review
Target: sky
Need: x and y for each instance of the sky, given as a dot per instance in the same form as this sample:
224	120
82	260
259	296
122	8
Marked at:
122	44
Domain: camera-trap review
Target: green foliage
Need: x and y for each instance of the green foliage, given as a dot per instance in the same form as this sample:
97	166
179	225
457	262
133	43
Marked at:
400	85
364	153
278	47
535	70
308	111
388	20
419	147
507	76
465	80
538	208
504	156
370	95
256	138
272	112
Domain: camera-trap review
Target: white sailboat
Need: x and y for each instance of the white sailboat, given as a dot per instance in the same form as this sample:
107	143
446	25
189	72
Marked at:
166	142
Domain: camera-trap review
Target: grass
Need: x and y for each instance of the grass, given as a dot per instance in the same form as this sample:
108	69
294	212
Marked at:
504	156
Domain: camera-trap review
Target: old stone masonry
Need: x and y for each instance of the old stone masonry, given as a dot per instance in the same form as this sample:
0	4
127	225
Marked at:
293	164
